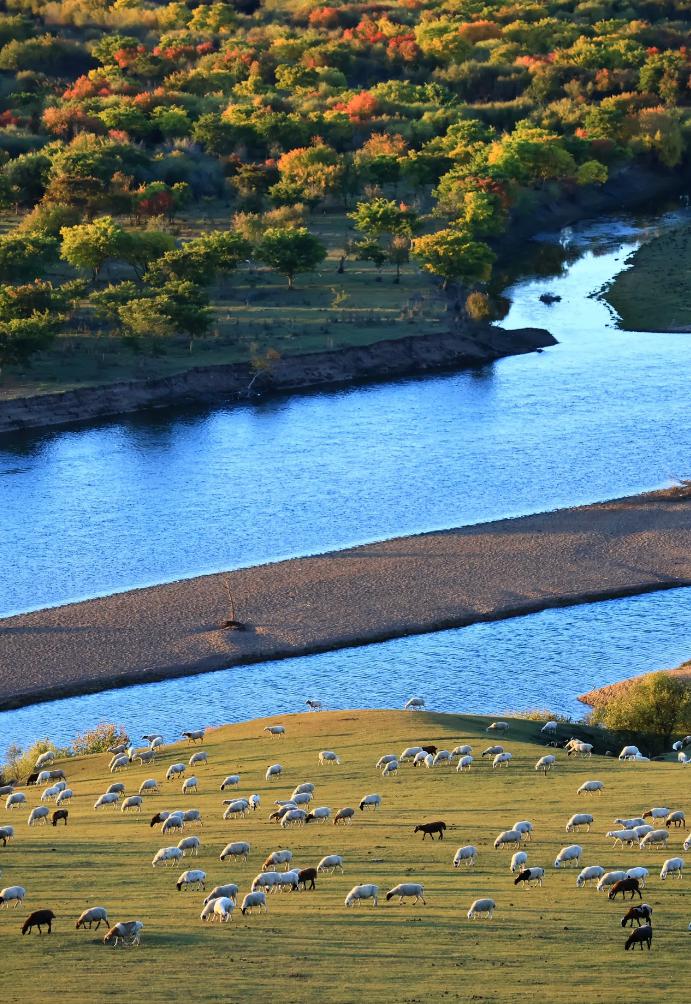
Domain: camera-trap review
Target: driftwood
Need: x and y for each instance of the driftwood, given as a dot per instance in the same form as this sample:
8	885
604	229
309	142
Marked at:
231	623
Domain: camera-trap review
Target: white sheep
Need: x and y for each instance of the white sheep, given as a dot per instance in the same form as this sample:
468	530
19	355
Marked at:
525	827
683	758
441	756
175	770
318	815
672	867
330	863
629	751
420	757
593	873
132	802
390	768
549	728
529	876
151	784
64	796
45	776
288	880
629	824
275	730
197	758
255	802
294	817
236	849
194	878
196	735
579	819
461	750
410	752
16	798
492	751
191	844
306	788
609	878
676	818
265	880
641	831
406	890
223	908
638	873
507	837
482	907
50	793
302	798
546	763
274	771
574	746
108	798
173	822
38	815
117	787
156	742
590	787
231	781
190	784
464	763
119	763
236	807
208	909
467	854
12	893
429	760
166	855
568	855
498	727
518	860
282	857
654	838
94	915
254	899
230	890
362	892
328	757
660	812
384	759
192	816
43	759
6	833
687	843
622	837
370	800
414	704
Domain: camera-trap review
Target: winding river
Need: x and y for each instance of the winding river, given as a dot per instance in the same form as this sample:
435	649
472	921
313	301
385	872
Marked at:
134	501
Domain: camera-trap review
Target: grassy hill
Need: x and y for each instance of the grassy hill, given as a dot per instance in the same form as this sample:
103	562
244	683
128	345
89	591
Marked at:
557	942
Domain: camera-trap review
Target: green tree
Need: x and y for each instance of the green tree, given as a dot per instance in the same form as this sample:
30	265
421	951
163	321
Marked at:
25	256
140	249
384	218
23	337
452	254
290	251
658	703
89	245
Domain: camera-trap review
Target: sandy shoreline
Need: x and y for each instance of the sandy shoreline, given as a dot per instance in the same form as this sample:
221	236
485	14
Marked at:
393	588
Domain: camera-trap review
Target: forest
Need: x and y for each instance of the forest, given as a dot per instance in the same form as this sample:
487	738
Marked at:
187	175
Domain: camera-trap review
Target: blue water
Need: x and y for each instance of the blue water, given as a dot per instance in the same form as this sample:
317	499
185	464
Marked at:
116	504
540	661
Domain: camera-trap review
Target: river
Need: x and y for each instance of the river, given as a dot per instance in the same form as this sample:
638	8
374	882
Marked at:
116	504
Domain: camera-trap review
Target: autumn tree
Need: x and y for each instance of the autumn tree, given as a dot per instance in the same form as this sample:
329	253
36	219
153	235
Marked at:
658	703
452	254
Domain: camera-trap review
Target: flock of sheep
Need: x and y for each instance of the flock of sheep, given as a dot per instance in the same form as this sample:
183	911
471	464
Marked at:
278	873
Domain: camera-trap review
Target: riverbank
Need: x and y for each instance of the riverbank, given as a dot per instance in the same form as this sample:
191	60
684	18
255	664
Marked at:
382	360
601	695
398	587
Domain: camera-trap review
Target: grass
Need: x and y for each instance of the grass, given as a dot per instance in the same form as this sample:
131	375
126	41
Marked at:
654	293
252	311
551	942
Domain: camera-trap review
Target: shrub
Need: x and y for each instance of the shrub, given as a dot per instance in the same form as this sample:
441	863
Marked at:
98	739
658	704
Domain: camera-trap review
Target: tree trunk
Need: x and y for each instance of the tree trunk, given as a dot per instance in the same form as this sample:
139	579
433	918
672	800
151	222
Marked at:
290	280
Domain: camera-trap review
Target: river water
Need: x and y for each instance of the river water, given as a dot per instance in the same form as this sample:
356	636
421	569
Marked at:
129	502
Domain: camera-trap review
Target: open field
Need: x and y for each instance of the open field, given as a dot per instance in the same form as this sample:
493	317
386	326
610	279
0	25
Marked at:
549	941
654	293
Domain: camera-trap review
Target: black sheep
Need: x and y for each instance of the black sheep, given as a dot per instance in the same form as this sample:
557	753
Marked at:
639	936
39	918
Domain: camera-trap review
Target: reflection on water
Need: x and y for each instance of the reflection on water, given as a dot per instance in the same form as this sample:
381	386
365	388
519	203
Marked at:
544	660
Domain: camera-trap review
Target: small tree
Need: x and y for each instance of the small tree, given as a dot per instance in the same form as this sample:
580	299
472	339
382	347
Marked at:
290	251
658	703
23	337
25	256
89	245
451	254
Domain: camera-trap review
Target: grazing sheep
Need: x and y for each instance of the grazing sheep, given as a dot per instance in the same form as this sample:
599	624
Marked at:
640	936
630	824
119	748
609	879
623	886
39	919
50	793
579	819
109	798
525	827
16	798
283	857
230	890
590	787
687	843
201	757
498	727
414	704
32	778
302	798
117	788
127	933
362	892
464	763
191	844
119	763
441	757
64	796
223	907
467	854
637	913
306	788
653	838
507	837
410	752
320	814
59	816
274	771
549	728
518	860
190	784
482	908
173	822
344	816
145	756
275	730
328	757
675	819
6	833
167	855
287	880
94	915
546	763
255	802
568	855
132	802
194	878
155	742
314	705
265	880
683	759
657	813
407	889
192	816
592	873
38	815
530	875
373	800
629	751
306	875
574	747
151	784
294	817
461	750
673	867
492	751
208	909
390	768
195	736
642	831
50	775
429	829
238	807
638	873
622	837
44	759
330	863
237	849
175	770
420	757
280	813
254	899
230	781
12	894
429	761
6	789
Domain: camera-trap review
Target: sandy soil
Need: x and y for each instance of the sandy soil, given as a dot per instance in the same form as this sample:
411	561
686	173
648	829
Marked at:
396	587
